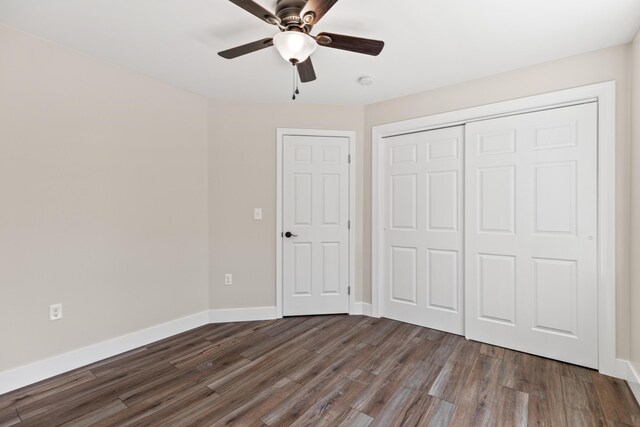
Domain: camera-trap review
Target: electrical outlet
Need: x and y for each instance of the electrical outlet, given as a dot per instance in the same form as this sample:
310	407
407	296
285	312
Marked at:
257	214
228	279
55	312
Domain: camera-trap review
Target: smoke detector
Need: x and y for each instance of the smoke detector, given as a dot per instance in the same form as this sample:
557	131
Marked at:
365	81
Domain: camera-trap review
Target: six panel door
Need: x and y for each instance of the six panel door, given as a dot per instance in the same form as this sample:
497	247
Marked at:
531	233
316	213
423	238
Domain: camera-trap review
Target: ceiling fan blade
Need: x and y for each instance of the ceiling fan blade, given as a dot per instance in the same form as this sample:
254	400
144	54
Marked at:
315	10
257	10
352	44
306	71
246	48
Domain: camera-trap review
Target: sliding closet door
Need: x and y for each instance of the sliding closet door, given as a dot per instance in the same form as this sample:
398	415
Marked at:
530	233
423	229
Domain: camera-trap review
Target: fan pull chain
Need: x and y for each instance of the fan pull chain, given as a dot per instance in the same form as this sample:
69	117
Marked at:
295	87
296	90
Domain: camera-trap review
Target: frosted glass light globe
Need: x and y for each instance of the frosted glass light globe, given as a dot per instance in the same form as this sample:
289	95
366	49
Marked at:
294	46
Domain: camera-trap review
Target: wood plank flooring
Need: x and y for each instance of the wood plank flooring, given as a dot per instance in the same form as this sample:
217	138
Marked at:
325	371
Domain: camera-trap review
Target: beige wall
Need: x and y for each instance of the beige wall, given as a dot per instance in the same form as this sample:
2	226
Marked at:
603	65
242	176
635	203
103	188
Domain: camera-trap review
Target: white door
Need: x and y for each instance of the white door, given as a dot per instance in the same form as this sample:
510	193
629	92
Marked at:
423	237
531	228
316	214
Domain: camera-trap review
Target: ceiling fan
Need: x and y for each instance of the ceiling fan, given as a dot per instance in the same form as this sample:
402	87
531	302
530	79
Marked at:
294	42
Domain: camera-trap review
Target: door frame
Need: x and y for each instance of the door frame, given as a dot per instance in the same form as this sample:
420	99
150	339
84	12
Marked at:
351	136
605	95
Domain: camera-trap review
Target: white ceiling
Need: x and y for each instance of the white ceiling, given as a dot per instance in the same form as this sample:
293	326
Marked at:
429	43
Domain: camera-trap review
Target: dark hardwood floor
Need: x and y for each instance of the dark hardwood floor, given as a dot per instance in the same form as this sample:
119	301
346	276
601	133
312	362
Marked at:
325	370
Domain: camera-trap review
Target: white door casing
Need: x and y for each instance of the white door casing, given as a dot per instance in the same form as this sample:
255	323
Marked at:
531	233
315	209
423	238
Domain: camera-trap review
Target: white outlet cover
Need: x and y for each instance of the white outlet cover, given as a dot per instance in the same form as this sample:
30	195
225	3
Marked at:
228	279
257	214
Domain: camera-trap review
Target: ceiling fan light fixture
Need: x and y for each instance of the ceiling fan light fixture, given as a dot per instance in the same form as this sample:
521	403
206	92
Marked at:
294	46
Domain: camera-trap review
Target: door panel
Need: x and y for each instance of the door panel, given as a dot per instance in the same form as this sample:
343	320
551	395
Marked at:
302	193
302	269
316	212
497	288
554	198
403	202
555	295
442	279
423	282
442	201
330	268
403	275
531	233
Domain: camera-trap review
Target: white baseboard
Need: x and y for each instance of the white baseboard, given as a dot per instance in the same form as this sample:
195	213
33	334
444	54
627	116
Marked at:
32	373
620	370
242	314
361	308
633	379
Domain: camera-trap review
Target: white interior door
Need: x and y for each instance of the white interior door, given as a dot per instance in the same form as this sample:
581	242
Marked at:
531	228
423	237
316	213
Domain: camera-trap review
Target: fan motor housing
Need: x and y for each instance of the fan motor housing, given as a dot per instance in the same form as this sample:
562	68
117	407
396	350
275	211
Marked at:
289	12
